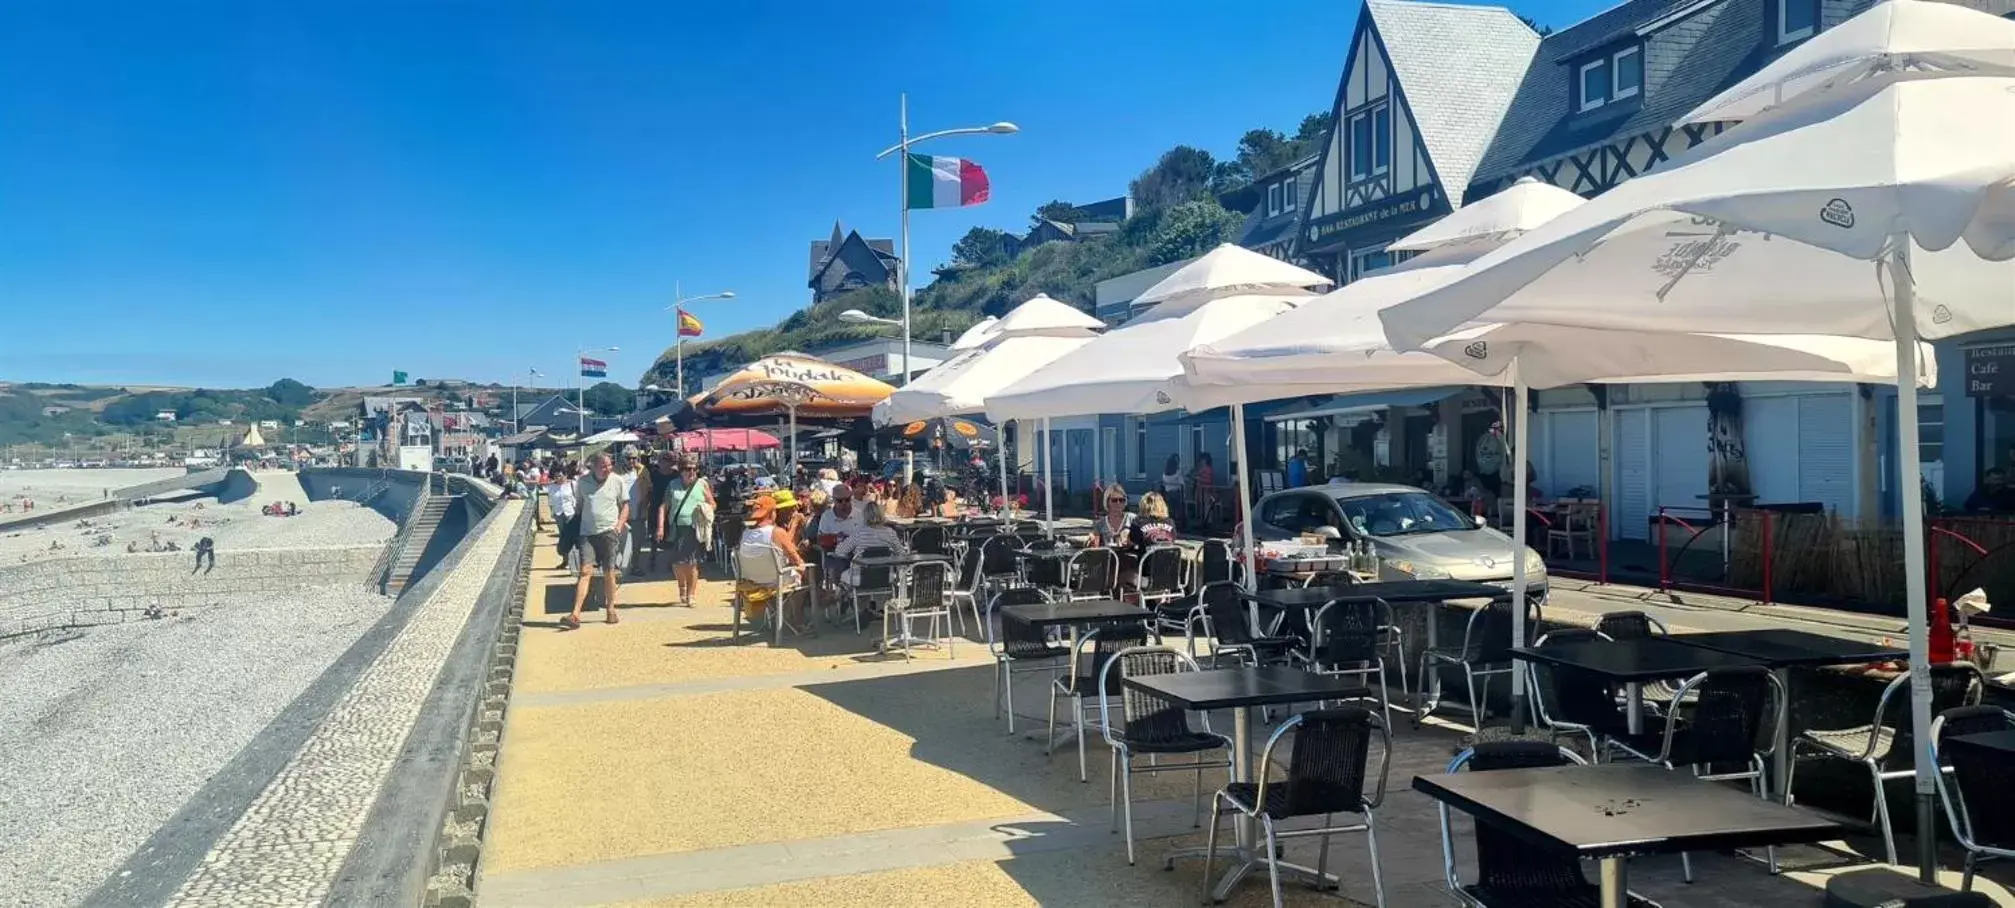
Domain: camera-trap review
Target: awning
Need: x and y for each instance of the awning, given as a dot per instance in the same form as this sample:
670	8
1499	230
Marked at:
1365	403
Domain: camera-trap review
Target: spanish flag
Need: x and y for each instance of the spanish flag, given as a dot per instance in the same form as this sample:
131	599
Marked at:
688	325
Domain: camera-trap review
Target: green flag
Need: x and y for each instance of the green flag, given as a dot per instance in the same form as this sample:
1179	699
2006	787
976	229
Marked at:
398	377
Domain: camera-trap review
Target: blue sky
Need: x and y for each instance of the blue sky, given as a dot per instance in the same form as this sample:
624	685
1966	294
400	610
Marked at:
222	193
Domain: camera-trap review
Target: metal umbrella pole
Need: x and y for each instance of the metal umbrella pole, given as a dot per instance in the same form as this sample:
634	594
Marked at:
1048	487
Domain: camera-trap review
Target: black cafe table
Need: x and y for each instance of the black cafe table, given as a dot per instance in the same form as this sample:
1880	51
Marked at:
1390	592
1782	649
1633	662
2000	743
1242	690
1612	811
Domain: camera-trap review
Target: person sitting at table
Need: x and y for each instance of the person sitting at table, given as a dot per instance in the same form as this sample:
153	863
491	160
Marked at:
1111	527
1152	526
841	520
874	532
763	530
948	503
790	523
911	504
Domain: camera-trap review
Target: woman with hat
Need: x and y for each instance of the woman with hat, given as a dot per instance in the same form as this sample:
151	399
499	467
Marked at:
763	529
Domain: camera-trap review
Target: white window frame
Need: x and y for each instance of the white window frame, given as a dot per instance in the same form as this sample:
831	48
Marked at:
1139	447
1581	84
1358	255
1786	37
1370	166
1273	194
1288	193
1616	66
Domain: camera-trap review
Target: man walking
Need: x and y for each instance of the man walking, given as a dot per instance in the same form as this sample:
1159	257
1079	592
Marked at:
604	507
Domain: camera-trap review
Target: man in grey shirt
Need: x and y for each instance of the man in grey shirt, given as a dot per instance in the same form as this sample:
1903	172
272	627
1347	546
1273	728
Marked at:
604	502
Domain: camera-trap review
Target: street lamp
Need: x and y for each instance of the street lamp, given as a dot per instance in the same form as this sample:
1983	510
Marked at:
679	344
581	390
903	143
857	317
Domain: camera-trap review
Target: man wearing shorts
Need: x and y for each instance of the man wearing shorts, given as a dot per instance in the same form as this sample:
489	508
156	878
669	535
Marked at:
604	507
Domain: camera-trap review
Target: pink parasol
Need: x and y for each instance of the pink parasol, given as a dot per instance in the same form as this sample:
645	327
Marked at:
729	440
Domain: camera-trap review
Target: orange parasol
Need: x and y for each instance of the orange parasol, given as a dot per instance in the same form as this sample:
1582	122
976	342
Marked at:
793	384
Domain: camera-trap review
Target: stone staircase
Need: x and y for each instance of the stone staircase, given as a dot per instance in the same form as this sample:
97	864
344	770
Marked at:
419	536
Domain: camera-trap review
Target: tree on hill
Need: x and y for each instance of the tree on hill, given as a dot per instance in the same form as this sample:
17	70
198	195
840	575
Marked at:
982	247
290	393
1183	173
1192	229
1056	210
608	398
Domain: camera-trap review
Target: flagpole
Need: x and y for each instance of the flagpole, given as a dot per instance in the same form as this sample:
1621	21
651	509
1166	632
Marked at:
903	264
679	333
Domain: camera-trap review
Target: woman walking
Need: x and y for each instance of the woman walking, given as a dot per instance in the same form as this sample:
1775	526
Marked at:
684	498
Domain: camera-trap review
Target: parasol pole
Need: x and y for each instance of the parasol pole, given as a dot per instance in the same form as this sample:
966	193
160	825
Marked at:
1912	495
1048	487
1000	454
1519	580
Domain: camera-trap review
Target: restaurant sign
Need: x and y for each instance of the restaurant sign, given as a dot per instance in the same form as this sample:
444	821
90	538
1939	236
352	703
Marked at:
1990	371
1407	205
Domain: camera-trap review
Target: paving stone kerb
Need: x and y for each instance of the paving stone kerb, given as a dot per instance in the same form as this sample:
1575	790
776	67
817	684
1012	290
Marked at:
87	590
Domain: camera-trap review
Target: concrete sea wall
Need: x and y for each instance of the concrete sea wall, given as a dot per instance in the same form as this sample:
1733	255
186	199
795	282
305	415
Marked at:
89	590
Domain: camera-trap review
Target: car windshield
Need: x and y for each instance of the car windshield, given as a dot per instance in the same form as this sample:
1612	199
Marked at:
1402	514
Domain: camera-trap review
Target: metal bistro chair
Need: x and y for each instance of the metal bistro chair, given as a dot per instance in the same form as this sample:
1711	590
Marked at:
1000	560
1092	574
1345	641
1325	776
1573	701
1485	651
1150	725
762	564
1575	529
1636	625
1157	585
1221	615
876	583
1978	789
1390	635
967	589
1733	711
1510	872
1021	648
1050	573
1087	670
926	596
1883	746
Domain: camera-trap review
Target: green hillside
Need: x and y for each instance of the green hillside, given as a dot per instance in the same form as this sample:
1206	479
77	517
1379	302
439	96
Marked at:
1177	215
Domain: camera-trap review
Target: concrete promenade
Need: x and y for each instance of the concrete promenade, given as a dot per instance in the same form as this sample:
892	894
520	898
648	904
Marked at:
657	762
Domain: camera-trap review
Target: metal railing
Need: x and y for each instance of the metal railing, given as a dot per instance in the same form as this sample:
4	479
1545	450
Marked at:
388	560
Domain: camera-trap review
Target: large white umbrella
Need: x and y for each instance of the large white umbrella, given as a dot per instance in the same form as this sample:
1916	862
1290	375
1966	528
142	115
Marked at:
977	335
1229	269
1893	40
1882	209
1028	338
1508	214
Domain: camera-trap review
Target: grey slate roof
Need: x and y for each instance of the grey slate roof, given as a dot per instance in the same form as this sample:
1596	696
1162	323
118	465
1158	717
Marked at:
1689	58
1459	67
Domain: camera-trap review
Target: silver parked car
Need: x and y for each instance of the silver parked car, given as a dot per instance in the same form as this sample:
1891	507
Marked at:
1416	535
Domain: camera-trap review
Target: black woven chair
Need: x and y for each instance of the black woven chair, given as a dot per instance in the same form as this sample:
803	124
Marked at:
1884	745
1485	651
1220	614
1346	641
1050	573
1326	775
1511	872
928	540
926	596
1000	560
1095	648
1021	647
1092	574
1734	712
873	583
1978	789
1147	724
1214	564
1574	701
1636	625
1157	585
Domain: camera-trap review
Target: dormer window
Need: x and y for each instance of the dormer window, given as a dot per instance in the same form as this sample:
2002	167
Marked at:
1609	78
1273	194
1796	20
1370	141
1288	191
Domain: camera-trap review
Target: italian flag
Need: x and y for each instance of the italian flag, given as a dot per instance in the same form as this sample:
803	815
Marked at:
934	182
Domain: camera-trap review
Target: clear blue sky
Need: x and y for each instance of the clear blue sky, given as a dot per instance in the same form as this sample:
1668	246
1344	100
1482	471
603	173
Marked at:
223	193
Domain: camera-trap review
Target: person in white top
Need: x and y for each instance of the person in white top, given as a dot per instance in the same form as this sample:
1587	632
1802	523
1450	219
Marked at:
559	494
829	479
1172	484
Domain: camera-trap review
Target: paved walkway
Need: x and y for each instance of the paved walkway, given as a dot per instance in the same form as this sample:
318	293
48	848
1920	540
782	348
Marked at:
657	762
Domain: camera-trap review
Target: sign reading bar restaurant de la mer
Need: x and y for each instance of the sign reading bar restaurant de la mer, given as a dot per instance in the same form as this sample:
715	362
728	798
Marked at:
1990	371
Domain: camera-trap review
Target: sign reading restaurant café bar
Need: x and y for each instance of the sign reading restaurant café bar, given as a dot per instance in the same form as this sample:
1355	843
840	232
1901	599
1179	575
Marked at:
1990	371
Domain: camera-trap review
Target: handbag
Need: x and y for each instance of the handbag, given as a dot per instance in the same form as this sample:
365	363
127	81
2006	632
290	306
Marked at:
703	525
